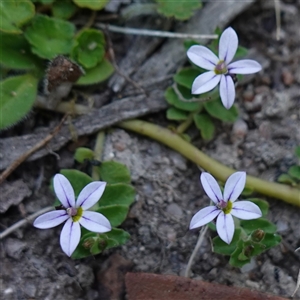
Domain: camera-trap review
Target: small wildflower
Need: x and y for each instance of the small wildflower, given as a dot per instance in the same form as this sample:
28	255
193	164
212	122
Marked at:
225	206
74	213
220	69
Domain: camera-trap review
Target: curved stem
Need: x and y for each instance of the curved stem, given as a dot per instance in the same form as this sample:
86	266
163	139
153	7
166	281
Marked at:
279	191
98	151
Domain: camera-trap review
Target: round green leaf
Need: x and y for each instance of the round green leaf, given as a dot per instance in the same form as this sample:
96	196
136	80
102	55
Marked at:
17	95
116	214
206	126
186	77
261	223
15	13
176	114
217	110
117	234
114	172
91	4
97	74
173	99
287	179
294	171
82	154
63	9
90	48
15	53
223	248
50	37
181	10
119	194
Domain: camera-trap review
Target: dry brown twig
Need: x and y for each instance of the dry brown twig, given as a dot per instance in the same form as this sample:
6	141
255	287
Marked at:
36	147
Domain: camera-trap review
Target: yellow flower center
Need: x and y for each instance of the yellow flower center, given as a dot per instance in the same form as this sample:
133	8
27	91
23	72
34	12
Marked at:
228	208
77	213
221	68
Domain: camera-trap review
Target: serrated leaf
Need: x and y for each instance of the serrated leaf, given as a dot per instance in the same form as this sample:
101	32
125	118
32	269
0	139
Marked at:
176	114
262	204
63	9
217	110
77	179
97	74
223	248
50	37
287	179
294	172
114	172
14	14
116	214
186	77
82	154
15	53
89	49
17	95
173	99
91	4
250	225
119	194
181	10
206	126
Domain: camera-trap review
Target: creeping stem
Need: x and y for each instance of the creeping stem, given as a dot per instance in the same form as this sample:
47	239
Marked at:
165	136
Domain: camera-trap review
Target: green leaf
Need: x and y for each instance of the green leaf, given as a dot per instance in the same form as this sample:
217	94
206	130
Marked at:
294	172
90	48
270	240
262	204
223	248
287	179
261	223
117	234
119	194
217	110
77	179
17	95
63	9
176	114
50	37
14	14
82	154
46	1
91	4
297	151
97	74
173	99
15	53
181	10
235	260
189	43
114	172
186	77
116	214
206	126
247	191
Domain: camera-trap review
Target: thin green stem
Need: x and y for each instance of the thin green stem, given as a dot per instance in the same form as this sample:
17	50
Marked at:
279	191
98	151
186	124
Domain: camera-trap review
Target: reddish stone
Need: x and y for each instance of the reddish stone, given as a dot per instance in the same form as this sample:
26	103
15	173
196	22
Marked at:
144	286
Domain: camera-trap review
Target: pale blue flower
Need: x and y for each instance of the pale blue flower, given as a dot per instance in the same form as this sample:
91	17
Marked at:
225	205
75	213
220	69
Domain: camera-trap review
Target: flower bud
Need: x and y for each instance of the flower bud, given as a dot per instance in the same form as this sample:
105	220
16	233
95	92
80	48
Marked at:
257	235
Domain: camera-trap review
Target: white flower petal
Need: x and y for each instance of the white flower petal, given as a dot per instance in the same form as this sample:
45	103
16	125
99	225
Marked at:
95	222
211	187
64	191
204	216
245	66
227	91
245	210
50	219
228	45
202	57
225	227
91	194
205	82
70	236
234	186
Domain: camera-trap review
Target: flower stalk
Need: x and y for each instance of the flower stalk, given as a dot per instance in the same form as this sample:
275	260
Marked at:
221	172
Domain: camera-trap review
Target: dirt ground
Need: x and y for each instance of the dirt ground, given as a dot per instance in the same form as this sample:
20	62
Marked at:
168	189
